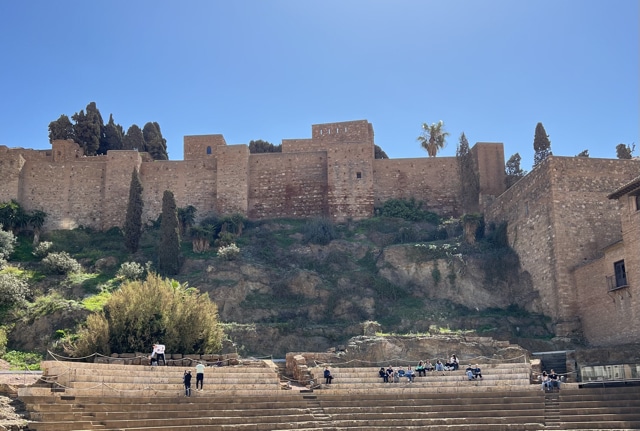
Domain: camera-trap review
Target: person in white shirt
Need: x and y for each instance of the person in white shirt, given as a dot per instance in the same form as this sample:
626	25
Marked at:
199	375
158	352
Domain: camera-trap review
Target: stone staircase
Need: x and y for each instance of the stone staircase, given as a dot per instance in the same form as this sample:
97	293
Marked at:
108	397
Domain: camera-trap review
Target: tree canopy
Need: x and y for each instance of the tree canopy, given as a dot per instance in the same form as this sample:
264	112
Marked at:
625	151
513	170
142	313
155	144
260	146
94	137
433	137
133	220
169	249
541	145
468	173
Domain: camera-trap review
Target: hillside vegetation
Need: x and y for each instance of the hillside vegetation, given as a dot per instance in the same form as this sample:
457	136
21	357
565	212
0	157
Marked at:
289	285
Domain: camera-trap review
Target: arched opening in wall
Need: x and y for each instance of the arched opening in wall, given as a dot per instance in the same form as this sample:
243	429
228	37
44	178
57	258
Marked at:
208	150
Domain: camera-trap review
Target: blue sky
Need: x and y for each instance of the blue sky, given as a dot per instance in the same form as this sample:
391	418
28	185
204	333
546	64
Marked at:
269	69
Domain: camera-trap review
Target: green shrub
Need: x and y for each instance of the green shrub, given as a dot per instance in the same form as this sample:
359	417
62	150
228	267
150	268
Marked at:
319	231
141	313
410	210
130	271
42	249
3	340
7	243
23	360
12	289
61	263
229	252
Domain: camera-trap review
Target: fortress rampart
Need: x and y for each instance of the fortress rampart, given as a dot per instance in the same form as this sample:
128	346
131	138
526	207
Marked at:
332	174
559	217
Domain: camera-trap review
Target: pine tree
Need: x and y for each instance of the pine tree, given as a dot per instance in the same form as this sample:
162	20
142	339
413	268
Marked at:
541	145
133	221
169	251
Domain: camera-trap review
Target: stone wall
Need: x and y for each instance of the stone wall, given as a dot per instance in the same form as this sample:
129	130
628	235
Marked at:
287	185
432	180
333	174
559	217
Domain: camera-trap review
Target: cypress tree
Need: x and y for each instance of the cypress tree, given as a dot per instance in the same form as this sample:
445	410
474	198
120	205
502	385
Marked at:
541	145
169	251
133	220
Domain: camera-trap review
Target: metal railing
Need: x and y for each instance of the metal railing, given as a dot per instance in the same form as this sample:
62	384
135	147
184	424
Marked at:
610	373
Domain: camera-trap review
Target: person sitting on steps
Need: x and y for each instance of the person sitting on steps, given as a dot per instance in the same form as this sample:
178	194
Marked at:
327	376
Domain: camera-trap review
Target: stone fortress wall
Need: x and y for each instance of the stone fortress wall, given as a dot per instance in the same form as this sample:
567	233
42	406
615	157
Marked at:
559	217
333	174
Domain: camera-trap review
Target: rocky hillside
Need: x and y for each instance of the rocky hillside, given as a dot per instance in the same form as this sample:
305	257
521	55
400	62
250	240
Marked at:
298	285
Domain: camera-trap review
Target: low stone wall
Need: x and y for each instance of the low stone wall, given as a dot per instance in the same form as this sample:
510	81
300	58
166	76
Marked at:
173	359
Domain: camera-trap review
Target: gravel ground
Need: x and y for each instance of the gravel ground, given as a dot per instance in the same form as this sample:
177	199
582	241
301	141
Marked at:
12	410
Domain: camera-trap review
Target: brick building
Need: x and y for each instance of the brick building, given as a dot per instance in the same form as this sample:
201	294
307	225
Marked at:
609	287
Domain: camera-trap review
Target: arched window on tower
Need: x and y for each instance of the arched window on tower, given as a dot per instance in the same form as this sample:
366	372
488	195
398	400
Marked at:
209	150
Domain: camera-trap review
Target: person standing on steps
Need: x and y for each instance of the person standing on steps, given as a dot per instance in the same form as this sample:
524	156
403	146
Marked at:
199	375
187	383
158	352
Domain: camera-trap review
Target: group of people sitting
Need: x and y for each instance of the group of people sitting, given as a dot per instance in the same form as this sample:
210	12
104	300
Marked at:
474	372
550	381
394	375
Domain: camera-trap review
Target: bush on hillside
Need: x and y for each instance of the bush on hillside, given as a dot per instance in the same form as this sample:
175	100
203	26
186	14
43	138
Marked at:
12	289
7	243
319	231
61	263
130	271
42	249
407	209
142	313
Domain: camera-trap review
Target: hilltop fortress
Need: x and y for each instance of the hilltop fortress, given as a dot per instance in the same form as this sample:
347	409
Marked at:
332	174
565	218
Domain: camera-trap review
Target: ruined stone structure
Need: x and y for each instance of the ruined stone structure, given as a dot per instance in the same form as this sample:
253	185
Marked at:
332	174
560	222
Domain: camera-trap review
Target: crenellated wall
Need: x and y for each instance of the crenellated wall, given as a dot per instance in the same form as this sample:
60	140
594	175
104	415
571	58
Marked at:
333	174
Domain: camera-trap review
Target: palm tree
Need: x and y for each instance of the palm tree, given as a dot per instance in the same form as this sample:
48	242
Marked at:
186	217
433	137
36	220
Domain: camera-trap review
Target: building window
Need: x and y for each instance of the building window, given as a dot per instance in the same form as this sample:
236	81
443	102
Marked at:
620	273
637	199
358	175
208	150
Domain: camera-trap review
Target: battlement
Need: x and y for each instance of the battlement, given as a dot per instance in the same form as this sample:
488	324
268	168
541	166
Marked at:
332	174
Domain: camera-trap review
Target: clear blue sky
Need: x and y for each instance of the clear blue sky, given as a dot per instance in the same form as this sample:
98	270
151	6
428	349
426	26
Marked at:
268	69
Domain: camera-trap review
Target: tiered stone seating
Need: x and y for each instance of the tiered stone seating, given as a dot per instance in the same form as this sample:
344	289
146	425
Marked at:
78	378
495	377
250	400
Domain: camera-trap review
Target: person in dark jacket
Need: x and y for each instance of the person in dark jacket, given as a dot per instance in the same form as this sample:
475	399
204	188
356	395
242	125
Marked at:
327	376
187	383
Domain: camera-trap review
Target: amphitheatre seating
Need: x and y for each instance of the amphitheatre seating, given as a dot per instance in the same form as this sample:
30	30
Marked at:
251	400
495	376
